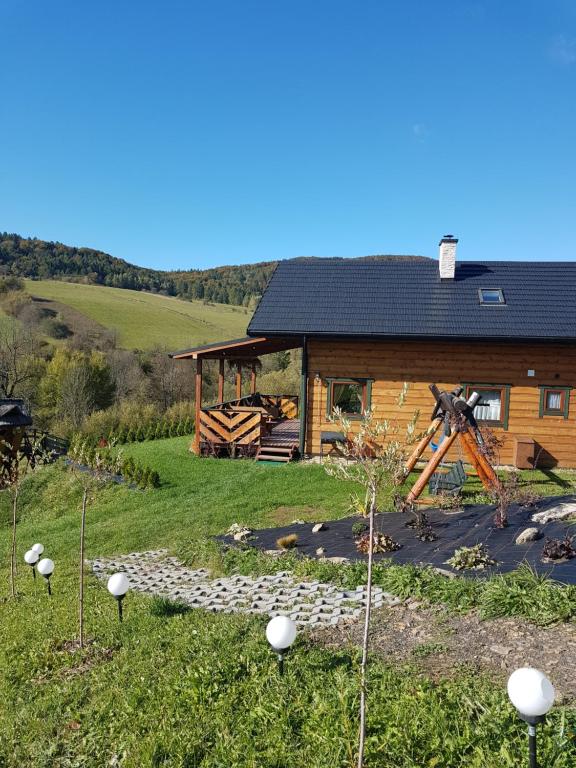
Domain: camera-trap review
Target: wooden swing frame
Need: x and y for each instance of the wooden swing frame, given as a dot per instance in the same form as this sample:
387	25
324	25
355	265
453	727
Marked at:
464	430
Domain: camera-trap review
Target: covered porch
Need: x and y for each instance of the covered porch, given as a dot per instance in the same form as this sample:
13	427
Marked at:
254	424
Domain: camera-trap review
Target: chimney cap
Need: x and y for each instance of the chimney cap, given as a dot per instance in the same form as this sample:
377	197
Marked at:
448	239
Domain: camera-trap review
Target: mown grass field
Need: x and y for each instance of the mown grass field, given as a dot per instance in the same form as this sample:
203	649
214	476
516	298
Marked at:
196	689
146	320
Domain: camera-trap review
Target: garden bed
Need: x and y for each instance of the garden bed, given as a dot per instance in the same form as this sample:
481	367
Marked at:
473	525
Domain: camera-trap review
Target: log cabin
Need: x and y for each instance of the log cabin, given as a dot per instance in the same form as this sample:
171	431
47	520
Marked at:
505	329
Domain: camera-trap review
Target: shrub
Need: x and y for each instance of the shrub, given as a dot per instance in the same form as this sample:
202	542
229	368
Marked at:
358	528
511	491
475	557
154	479
135	421
56	329
128	468
381	542
559	549
448	501
287	542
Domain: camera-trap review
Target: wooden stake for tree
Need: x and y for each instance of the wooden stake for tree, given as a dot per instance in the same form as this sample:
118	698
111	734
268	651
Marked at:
366	633
81	590
13	549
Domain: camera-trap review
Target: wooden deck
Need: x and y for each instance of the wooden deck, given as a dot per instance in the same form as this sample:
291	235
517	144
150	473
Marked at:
284	434
258	425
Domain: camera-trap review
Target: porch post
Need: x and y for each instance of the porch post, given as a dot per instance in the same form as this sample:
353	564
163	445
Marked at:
221	381
303	404
253	379
238	381
198	404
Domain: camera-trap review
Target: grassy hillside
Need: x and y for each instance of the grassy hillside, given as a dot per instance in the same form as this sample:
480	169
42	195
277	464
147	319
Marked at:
144	320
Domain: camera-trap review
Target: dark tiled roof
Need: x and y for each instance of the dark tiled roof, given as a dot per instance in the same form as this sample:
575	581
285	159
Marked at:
12	414
406	299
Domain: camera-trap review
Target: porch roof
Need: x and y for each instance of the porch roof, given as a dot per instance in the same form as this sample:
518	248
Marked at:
247	347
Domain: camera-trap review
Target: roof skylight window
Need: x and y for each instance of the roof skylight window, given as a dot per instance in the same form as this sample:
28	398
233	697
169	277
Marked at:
491	296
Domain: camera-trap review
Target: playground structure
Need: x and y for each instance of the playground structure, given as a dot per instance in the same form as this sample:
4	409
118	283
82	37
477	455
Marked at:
455	416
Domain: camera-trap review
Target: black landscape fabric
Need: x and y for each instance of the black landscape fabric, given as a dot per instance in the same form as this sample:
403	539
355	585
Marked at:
473	525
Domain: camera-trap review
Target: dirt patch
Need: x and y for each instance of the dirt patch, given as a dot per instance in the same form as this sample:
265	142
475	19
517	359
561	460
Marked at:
441	644
83	659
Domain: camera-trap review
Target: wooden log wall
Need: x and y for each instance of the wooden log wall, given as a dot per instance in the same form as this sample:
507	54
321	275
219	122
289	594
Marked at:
391	363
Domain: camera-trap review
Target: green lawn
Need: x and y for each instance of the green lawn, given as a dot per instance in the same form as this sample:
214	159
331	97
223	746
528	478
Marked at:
145	320
196	689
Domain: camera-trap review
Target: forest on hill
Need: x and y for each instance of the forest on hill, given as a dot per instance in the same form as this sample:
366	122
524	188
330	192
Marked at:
43	260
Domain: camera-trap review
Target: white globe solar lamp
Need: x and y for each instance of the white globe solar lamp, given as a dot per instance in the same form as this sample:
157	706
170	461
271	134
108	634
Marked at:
118	585
281	633
31	558
46	569
38	548
532	693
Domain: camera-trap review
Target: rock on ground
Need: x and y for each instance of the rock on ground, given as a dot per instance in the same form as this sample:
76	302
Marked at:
528	535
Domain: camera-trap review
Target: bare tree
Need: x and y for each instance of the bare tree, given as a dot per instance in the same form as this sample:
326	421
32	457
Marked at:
374	457
128	377
77	394
18	352
171	380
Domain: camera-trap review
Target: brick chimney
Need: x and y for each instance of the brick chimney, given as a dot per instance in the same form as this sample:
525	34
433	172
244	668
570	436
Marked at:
448	257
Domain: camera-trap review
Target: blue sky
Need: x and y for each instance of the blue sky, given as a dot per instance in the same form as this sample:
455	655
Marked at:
191	134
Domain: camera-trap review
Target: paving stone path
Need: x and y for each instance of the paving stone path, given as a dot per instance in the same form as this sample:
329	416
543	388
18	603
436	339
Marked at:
311	604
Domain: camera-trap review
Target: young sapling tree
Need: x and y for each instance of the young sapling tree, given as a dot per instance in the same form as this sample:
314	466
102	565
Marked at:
92	470
374	456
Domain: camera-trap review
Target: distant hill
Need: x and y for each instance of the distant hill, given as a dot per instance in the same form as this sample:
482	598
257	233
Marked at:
140	320
43	260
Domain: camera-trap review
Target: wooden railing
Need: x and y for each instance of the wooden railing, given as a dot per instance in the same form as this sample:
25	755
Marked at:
276	406
244	421
231	426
